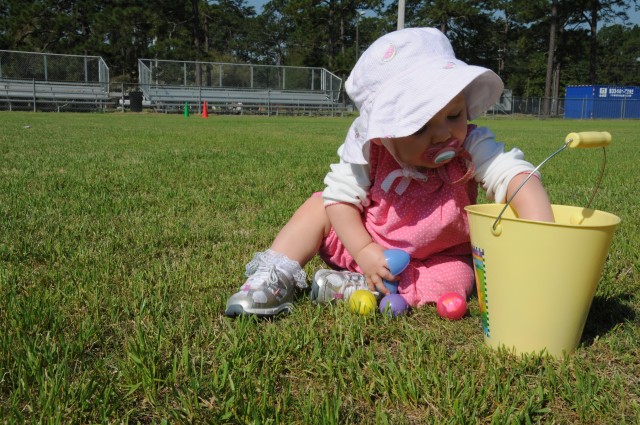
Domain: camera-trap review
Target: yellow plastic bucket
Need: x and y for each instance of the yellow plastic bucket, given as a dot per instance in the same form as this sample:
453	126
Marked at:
536	280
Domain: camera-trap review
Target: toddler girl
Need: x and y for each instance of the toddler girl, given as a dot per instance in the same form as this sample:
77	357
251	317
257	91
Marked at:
408	167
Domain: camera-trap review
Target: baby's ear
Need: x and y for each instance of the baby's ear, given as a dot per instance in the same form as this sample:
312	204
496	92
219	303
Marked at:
377	141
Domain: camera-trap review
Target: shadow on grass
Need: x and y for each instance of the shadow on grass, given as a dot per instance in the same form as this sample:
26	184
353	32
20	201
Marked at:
604	315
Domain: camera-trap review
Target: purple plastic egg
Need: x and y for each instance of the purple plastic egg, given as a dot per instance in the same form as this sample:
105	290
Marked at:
394	305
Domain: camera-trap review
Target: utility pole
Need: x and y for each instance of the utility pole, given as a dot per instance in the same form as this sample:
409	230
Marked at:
400	14
550	58
359	14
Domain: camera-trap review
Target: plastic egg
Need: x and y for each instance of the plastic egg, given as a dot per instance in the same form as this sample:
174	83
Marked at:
452	306
397	261
391	286
362	302
393	305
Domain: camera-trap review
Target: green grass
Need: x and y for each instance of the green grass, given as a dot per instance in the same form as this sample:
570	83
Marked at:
121	236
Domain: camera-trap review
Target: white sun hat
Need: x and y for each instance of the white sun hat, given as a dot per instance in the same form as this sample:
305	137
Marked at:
406	77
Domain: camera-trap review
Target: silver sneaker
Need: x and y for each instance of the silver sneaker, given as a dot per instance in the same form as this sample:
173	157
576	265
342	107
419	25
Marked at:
332	285
270	287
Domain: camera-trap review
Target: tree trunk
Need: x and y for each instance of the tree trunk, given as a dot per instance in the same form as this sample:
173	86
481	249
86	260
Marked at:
196	31
342	34
206	50
593	48
330	40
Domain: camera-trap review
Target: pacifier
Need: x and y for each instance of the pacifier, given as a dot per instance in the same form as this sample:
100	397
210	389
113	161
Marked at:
437	156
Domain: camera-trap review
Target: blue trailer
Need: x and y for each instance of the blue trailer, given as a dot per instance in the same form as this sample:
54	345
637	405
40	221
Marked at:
602	102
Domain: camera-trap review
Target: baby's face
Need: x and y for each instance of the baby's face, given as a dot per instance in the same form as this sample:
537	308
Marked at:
447	128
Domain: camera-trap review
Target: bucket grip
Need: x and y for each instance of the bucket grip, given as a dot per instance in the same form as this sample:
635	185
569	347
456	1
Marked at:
583	140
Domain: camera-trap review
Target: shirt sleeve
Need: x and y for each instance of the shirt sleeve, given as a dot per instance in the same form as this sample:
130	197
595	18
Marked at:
494	168
347	183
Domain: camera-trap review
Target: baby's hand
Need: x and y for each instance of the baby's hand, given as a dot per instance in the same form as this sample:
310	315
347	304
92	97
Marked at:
373	264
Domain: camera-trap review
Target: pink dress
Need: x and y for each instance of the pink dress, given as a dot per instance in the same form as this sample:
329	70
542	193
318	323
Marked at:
427	220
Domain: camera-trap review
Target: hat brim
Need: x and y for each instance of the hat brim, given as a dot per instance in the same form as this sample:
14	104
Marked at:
406	103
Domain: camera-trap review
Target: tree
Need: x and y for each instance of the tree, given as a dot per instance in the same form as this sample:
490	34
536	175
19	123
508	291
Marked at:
229	25
620	55
269	35
513	37
171	35
592	13
38	25
121	32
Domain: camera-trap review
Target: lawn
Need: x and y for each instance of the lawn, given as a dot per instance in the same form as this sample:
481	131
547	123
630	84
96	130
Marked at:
122	235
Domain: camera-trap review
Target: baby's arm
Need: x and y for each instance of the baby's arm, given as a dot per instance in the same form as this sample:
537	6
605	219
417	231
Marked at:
347	223
531	202
501	173
345	196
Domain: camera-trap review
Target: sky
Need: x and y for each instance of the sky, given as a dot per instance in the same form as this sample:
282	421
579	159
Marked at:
635	16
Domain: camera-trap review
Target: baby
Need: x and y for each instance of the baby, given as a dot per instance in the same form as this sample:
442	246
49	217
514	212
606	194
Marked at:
409	165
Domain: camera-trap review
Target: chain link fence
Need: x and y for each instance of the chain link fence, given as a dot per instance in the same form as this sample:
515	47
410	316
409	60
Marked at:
568	108
237	76
53	82
32	81
239	88
53	67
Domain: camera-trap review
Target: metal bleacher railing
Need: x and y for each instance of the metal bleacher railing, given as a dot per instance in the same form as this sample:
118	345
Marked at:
31	81
236	88
49	81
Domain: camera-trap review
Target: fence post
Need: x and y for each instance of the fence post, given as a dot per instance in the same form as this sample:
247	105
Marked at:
122	97
184	72
34	94
539	108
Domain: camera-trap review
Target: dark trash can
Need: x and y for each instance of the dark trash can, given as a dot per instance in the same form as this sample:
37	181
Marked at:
135	101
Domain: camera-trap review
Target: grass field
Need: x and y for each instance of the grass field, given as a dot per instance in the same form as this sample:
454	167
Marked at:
122	235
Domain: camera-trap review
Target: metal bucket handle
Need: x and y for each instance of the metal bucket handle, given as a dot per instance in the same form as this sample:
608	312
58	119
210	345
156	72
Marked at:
584	139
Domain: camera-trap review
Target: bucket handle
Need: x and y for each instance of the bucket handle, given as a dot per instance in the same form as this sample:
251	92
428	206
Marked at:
584	139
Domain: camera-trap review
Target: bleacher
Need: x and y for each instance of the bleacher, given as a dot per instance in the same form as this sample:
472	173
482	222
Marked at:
57	82
237	100
16	92
238	88
45	81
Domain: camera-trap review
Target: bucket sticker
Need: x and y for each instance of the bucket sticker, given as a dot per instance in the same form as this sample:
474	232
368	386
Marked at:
478	267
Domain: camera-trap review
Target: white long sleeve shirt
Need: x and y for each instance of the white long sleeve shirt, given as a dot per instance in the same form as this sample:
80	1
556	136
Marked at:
494	169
